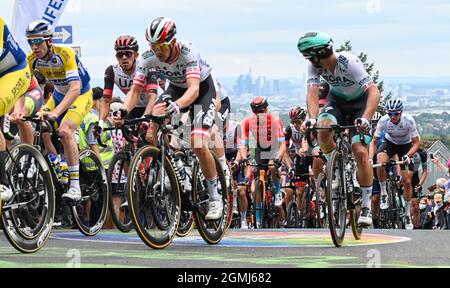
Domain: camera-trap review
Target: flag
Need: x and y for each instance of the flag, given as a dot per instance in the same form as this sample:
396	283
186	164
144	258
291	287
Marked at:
26	11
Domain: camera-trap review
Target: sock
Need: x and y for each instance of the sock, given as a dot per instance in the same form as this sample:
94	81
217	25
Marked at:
366	193
383	187
3	178
223	162
328	155
74	172
212	189
244	216
258	213
408	208
277	184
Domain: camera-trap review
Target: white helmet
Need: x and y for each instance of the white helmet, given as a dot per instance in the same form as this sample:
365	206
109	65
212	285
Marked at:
39	27
161	30
394	105
376	116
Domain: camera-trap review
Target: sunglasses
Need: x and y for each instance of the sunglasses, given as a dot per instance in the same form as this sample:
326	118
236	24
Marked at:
160	46
127	54
297	121
36	41
393	114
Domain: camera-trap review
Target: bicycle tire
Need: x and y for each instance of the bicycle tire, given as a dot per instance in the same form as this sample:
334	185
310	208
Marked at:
304	210
30	241
211	231
292	215
337	227
258	189
322	221
94	195
142	204
126	225
396	209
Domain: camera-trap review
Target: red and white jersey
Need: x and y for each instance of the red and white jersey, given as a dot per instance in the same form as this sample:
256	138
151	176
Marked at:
188	64
114	75
266	128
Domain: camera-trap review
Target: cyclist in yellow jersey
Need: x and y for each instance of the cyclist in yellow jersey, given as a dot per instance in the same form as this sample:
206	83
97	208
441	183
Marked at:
15	79
72	98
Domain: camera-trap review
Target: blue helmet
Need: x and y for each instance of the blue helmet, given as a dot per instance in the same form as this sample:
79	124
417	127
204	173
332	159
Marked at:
39	27
394	105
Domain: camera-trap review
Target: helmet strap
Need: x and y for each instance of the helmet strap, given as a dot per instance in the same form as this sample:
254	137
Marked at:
47	56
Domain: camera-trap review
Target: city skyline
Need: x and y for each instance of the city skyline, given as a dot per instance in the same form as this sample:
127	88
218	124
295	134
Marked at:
397	35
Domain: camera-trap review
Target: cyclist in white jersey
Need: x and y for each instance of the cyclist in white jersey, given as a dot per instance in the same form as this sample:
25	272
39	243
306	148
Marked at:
353	97
122	74
191	89
401	139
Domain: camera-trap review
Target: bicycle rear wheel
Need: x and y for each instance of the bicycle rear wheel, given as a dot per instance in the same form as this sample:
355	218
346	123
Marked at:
117	178
27	217
336	198
211	231
154	197
292	214
90	213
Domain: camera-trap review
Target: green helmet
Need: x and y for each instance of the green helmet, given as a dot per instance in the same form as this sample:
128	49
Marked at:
315	44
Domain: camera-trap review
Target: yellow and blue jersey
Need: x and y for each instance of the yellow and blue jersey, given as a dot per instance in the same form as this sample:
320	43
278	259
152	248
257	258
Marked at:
63	67
12	57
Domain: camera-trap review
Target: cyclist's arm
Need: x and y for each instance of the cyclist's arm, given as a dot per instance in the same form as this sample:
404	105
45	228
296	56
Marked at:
312	101
373	100
71	95
132	97
218	102
108	87
373	146
287	160
415	147
150	104
191	93
152	88
243	141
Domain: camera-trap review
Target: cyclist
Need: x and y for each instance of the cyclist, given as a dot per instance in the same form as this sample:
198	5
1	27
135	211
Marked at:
295	132
376	190
402	140
191	86
72	98
267	129
324	90
353	94
15	78
122	74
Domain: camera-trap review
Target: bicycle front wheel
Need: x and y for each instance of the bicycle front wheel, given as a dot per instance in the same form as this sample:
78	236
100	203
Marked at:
336	198
154	197
118	203
27	217
90	212
321	205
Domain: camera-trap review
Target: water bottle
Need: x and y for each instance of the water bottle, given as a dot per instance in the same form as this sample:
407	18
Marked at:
64	179
181	173
54	160
188	178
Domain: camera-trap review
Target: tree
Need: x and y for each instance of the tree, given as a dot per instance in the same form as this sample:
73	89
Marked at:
347	46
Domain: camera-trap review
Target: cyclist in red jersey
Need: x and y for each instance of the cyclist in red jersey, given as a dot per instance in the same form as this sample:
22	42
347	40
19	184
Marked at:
267	129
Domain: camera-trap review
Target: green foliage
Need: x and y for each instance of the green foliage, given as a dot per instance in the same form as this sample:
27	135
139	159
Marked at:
347	46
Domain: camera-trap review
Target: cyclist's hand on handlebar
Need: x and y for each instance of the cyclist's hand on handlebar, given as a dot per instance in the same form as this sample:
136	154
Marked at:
278	162
119	116
291	172
363	123
310	123
173	108
97	130
406	160
47	114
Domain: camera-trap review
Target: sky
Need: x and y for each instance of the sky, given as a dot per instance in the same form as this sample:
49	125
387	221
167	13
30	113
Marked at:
403	38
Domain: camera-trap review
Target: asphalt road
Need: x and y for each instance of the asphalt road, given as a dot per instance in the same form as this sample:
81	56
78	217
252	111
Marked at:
239	249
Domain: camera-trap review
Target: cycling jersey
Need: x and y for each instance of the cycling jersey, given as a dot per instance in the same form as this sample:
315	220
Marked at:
292	134
12	57
266	128
232	138
34	98
188	64
420	158
401	133
114	74
349	81
15	74
62	68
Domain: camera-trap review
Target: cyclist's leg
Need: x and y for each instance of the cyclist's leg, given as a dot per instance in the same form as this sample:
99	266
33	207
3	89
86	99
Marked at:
332	114
217	135
375	199
384	153
32	103
69	124
415	201
202	113
407	183
317	165
12	86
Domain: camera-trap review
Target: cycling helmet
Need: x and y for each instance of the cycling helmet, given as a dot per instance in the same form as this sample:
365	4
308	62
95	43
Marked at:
315	44
394	105
259	104
161	30
297	113
126	42
376	116
39	27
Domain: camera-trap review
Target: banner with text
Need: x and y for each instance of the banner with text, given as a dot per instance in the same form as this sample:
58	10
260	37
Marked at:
26	11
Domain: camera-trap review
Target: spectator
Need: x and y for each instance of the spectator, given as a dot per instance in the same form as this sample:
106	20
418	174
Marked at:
426	217
438	211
